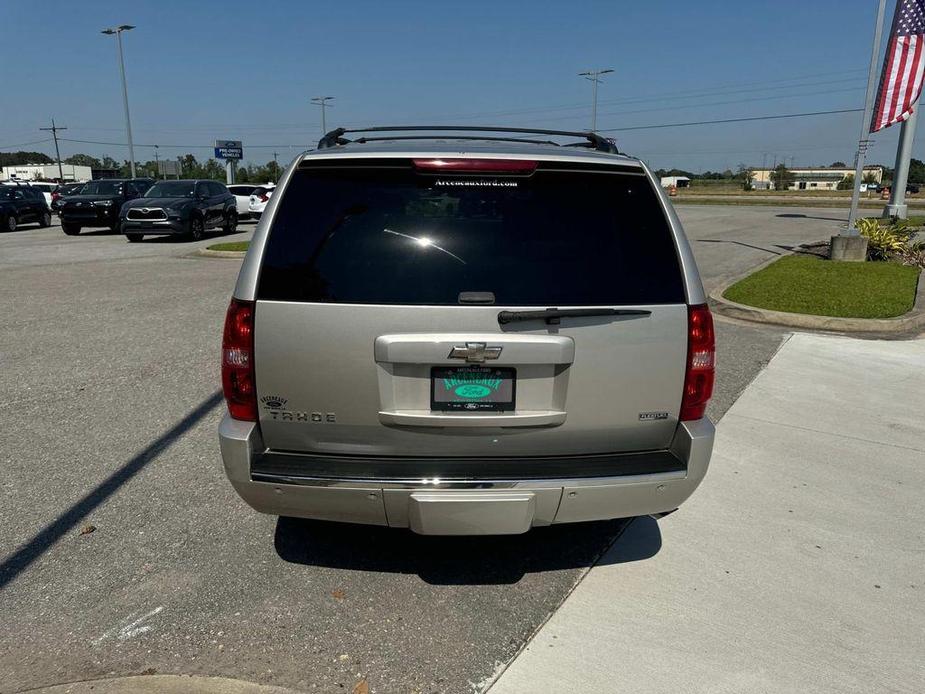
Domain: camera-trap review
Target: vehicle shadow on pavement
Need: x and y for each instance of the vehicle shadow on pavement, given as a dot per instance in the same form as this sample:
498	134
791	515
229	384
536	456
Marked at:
740	243
464	560
794	215
40	543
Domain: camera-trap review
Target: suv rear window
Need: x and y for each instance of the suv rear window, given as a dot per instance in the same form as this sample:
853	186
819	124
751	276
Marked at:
396	236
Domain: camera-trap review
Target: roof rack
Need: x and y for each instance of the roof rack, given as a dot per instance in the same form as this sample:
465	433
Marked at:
592	140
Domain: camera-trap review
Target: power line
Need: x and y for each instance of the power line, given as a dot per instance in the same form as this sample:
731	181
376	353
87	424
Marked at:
691	106
672	96
23	144
136	144
730	120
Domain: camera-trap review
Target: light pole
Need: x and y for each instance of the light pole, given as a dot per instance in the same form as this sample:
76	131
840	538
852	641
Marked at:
322	102
594	76
128	121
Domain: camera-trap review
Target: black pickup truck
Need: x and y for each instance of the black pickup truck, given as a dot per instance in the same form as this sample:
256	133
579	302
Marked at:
99	202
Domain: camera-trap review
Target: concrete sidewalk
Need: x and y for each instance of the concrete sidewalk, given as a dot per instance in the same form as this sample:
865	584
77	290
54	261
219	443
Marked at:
799	565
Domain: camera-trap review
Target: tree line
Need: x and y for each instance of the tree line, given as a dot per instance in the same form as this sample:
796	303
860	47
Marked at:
271	171
190	166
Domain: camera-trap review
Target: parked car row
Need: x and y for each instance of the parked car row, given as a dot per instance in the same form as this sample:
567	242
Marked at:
136	207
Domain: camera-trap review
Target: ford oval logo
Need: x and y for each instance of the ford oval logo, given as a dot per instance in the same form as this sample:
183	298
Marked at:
472	390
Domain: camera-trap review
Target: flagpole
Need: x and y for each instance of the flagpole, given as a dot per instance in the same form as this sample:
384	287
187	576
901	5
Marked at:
897	206
865	124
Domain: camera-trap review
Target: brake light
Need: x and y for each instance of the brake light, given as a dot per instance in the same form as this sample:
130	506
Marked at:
508	166
701	362
263	197
55	196
238	361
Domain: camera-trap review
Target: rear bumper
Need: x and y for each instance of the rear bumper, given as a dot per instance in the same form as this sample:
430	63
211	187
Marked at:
465	497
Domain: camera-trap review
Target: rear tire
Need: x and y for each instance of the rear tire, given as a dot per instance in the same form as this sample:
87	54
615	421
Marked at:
134	238
231	223
45	220
11	223
70	229
196	229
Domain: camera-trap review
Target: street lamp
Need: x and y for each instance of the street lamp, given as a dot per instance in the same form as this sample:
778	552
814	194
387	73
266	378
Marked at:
128	121
595	77
321	101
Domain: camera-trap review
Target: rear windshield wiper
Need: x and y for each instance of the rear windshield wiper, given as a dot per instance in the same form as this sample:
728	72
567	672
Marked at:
552	315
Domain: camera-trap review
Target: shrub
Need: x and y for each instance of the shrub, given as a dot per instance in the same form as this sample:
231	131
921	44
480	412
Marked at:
884	242
914	254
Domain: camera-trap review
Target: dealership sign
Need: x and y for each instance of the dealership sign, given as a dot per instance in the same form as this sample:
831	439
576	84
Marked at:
228	149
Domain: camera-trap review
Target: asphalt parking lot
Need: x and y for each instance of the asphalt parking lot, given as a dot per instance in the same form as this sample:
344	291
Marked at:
109	398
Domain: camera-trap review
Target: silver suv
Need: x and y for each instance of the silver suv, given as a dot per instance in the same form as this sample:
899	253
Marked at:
467	334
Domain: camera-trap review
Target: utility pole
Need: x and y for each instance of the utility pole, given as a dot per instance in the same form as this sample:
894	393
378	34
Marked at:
275	168
863	142
594	76
157	163
128	121
322	102
54	133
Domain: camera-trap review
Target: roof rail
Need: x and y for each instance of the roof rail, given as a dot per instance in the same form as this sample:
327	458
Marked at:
592	140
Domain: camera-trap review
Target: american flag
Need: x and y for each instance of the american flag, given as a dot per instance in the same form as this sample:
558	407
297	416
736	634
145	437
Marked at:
901	79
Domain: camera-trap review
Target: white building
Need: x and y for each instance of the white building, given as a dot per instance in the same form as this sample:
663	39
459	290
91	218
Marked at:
676	181
813	178
45	172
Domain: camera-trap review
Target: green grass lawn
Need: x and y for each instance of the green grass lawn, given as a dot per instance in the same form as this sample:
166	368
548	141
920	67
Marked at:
912	220
233	246
809	284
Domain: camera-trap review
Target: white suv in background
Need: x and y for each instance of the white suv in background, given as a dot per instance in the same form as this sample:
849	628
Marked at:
242	196
259	199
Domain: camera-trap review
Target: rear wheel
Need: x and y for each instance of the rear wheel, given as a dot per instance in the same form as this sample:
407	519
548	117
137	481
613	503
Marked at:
45	220
196	229
11	223
134	238
231	223
70	229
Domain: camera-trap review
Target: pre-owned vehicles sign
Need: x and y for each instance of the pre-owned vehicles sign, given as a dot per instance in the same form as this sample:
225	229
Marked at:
229	149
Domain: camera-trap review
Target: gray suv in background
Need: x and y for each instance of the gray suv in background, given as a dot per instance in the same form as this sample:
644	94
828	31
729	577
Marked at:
467	334
186	208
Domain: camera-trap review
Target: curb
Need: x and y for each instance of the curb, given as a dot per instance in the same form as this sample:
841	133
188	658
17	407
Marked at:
206	253
909	323
161	684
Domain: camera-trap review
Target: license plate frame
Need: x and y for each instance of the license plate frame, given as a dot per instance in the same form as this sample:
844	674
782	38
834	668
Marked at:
477	379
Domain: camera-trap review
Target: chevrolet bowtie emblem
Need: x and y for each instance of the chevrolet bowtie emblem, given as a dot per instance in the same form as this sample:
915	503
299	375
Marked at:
475	352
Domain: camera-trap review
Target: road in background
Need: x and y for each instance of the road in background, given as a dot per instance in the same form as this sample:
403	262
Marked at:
109	399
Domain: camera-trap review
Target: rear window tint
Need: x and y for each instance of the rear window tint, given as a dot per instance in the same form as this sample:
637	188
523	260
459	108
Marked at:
396	236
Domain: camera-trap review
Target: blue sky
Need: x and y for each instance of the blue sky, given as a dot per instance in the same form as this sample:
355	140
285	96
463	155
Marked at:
198	71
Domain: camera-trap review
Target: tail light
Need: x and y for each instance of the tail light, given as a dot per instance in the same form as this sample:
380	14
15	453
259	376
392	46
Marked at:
264	197
55	196
701	361
238	361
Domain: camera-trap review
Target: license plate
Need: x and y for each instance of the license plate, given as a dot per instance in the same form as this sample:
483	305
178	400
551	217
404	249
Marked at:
472	388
